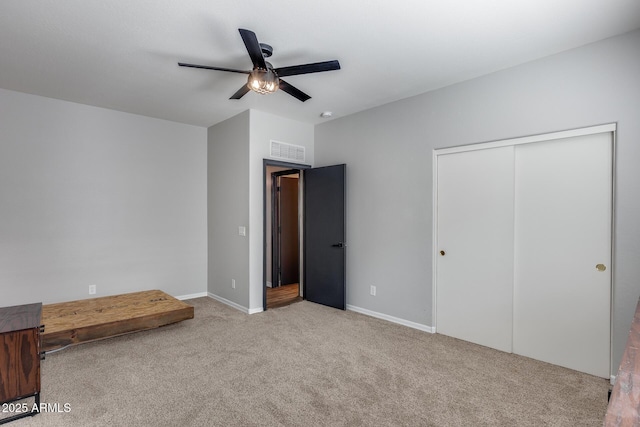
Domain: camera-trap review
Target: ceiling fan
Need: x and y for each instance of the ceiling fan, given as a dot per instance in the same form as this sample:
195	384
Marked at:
263	78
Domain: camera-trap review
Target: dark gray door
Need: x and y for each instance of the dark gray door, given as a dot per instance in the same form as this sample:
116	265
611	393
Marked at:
324	235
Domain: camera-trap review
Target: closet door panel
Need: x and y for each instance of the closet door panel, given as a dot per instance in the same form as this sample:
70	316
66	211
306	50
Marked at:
563	205
475	233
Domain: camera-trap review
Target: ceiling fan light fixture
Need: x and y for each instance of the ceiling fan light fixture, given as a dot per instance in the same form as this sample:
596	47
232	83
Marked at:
263	78
263	81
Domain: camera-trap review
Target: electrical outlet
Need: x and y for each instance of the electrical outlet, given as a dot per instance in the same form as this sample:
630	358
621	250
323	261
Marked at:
372	290
92	289
233	283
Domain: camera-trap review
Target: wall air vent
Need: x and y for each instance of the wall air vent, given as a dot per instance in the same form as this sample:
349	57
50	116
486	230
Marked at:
282	150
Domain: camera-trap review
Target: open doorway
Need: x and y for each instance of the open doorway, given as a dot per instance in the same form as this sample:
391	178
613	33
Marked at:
320	219
282	233
285	228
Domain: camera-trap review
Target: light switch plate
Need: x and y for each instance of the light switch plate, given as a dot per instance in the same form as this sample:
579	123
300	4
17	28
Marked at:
242	231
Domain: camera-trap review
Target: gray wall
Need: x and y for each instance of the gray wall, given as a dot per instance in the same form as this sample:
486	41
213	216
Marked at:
237	148
95	196
228	208
264	128
388	151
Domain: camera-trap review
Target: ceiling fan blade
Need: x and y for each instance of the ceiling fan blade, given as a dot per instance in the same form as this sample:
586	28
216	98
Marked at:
206	67
293	91
316	67
253	47
241	92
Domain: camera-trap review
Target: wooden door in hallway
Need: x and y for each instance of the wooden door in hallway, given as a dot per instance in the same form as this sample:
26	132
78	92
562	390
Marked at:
288	226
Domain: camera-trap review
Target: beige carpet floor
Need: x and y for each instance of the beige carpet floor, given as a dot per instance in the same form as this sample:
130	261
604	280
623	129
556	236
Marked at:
306	365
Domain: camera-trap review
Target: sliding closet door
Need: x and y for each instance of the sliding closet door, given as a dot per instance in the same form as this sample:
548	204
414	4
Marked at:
562	277
475	246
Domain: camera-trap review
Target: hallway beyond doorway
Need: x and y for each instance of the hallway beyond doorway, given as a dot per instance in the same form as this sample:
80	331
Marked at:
283	295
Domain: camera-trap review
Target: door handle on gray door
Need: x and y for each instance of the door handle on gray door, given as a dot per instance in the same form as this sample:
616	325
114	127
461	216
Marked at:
338	245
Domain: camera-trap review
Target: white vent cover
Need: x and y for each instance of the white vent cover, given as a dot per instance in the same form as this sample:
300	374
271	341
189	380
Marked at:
282	150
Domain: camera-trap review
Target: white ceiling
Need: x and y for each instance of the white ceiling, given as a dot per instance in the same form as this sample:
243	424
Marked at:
123	54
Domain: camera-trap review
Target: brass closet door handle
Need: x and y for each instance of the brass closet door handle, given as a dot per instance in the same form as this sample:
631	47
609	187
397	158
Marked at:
442	253
601	267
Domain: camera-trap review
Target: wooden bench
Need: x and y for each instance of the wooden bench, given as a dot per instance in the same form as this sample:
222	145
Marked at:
624	404
93	319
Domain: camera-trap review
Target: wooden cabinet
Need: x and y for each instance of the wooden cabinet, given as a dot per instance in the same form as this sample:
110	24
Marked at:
20	330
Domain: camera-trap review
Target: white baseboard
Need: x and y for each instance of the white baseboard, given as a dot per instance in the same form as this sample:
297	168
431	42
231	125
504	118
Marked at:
192	296
255	310
234	305
612	380
393	319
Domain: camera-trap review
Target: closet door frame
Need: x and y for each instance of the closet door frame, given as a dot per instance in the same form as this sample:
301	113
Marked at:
605	128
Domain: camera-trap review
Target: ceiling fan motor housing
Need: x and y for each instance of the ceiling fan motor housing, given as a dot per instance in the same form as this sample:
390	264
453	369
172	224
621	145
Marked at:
266	49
